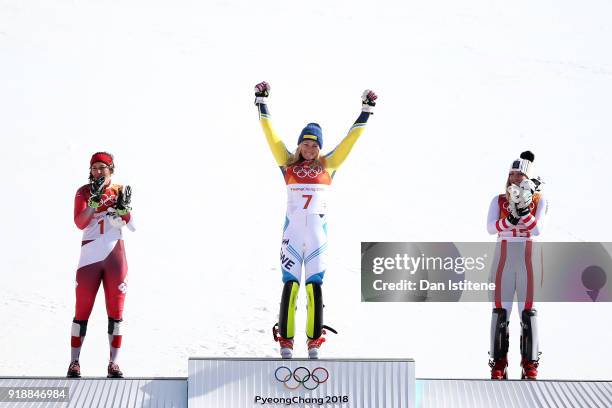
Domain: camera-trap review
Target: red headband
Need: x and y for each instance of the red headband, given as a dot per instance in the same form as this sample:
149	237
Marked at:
103	158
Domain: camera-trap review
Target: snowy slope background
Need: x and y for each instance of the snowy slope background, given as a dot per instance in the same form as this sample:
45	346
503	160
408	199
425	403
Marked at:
167	88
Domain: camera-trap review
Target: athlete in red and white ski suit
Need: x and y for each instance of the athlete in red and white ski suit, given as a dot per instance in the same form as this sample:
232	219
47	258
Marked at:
102	255
102	259
516	269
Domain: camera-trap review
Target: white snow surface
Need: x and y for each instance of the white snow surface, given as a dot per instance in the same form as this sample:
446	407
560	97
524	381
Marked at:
167	88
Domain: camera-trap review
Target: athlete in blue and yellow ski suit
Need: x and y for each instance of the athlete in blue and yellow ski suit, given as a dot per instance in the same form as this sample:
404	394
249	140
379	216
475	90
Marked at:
304	243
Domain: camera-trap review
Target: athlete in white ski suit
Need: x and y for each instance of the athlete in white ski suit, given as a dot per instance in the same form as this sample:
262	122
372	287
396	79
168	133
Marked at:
517	218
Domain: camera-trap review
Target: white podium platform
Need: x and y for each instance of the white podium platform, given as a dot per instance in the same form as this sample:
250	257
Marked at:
98	392
434	393
255	382
367	383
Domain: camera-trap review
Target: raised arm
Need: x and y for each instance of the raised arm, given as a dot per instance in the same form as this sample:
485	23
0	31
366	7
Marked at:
335	158
278	148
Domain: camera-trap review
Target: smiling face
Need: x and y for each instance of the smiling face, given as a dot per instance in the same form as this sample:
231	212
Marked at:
99	169
309	149
515	177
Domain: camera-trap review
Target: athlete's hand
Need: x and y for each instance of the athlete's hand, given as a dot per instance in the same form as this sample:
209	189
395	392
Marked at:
512	219
524	201
368	101
512	209
262	91
513	192
96	187
528	185
124	198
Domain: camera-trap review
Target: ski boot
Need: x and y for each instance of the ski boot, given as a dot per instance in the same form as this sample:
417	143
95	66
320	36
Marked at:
114	371
74	370
286	345
313	346
499	368
529	369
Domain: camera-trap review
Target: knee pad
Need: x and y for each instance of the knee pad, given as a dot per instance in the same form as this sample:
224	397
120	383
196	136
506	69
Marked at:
114	327
501	333
79	328
529	335
314	315
286	316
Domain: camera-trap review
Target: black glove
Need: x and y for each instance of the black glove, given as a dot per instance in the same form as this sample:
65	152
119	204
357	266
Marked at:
512	219
522	211
96	187
124	198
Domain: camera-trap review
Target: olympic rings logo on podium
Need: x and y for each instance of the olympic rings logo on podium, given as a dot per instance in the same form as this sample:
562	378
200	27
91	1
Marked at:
301	376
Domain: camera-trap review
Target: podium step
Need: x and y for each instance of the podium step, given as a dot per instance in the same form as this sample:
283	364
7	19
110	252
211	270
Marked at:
434	393
93	392
338	383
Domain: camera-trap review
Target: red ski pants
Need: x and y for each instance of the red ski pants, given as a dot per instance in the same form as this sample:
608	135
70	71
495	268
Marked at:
112	272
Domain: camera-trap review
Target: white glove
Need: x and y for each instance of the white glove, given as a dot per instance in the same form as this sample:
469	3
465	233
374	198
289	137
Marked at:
514	192
529	185
525	199
512	209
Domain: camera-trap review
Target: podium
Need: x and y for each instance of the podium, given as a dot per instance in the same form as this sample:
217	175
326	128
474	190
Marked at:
338	383
96	392
343	383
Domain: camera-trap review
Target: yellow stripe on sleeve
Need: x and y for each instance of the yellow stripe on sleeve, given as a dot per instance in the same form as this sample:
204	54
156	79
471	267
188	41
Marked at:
335	158
278	148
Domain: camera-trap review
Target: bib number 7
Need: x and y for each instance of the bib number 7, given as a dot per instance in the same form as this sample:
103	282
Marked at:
308	198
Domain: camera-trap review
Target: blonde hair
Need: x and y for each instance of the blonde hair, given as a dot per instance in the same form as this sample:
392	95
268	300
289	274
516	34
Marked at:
506	189
297	157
